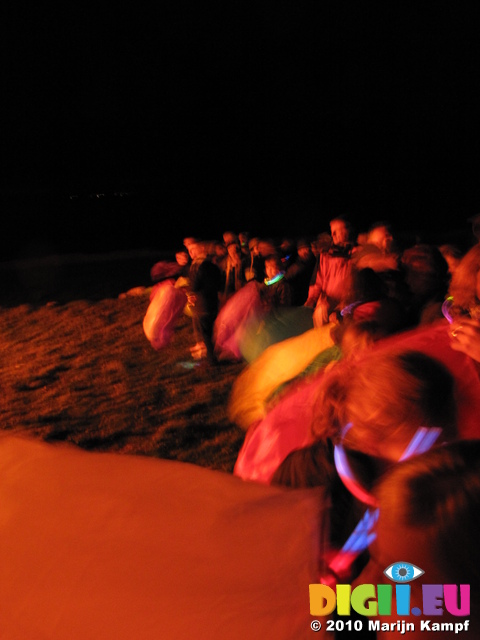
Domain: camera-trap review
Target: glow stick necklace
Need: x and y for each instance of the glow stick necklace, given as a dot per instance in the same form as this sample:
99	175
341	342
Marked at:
446	307
275	279
364	534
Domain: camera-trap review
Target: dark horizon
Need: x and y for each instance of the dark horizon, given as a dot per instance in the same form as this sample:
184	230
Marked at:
271	118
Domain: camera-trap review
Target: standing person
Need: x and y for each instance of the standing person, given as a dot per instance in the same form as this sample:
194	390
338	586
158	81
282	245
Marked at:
205	285
236	265
326	293
300	272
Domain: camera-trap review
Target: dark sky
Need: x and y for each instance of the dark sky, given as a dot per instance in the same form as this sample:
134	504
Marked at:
265	117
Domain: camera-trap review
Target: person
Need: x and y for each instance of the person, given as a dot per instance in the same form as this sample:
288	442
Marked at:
429	516
275	291
380	235
229	237
464	297
220	256
163	269
452	255
256	268
426	275
300	272
368	414
465	284
333	270
288	252
205	284
465	337
236	265
368	298
244	240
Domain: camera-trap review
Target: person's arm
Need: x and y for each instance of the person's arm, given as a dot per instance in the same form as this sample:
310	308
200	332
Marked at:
315	291
465	334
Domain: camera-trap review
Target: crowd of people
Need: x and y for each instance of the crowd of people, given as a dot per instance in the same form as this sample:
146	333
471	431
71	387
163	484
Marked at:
389	370
363	277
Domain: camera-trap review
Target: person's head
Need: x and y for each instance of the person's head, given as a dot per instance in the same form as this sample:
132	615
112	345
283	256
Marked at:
273	265
426	271
354	336
266	247
229	237
243	238
365	285
386	396
189	240
323	242
220	250
287	246
197	249
182	258
430	514
370	256
303	249
253	246
234	251
380	235
340	231
465	284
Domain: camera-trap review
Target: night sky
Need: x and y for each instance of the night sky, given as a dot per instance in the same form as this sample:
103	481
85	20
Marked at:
270	118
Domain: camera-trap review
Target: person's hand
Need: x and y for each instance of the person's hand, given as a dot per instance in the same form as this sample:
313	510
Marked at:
320	315
465	336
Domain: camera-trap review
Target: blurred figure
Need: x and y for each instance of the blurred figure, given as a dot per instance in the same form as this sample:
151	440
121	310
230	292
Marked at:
256	269
322	243
333	271
275	291
452	255
429	516
188	241
288	252
465	284
426	275
236	265
380	235
368	299
369	413
465	334
300	272
229	237
244	239
205	284
220	257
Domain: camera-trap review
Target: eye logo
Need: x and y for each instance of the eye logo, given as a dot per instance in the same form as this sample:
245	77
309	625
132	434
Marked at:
403	572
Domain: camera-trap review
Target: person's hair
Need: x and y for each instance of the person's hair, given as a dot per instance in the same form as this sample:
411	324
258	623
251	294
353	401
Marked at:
345	221
387	396
463	286
450	250
438	493
426	270
379	224
364	284
275	260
